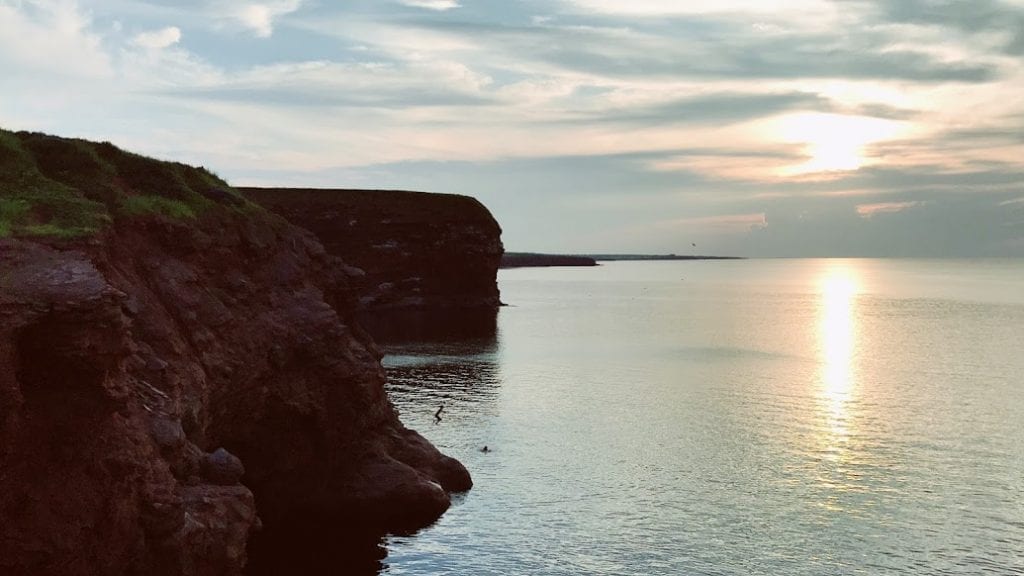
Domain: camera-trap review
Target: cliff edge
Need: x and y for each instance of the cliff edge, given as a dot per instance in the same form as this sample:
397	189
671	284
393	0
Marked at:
179	367
420	251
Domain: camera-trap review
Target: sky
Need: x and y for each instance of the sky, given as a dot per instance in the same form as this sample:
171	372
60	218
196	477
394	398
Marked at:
732	127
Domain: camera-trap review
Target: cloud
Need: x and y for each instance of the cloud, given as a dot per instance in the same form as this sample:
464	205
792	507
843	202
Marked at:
582	124
986	21
730	223
257	17
1004	131
675	7
953	225
50	37
438	5
156	39
869	210
708	50
737	166
332	84
703	108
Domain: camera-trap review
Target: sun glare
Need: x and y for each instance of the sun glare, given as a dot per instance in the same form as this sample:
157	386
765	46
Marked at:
832	142
839	289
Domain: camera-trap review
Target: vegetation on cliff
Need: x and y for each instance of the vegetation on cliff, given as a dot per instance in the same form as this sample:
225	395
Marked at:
69	188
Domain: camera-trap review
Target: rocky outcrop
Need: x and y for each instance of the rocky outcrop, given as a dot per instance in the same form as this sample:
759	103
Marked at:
180	373
419	251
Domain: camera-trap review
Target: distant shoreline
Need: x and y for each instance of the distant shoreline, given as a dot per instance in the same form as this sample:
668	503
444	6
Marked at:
538	260
616	257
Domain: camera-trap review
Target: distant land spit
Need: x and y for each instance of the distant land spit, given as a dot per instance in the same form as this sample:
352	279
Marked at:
611	257
533	259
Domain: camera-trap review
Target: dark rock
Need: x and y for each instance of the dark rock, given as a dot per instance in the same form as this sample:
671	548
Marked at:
155	364
221	195
529	259
451	244
131	306
222	468
168	434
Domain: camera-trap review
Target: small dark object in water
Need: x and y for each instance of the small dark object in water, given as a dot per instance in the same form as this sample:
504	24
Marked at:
437	415
485	449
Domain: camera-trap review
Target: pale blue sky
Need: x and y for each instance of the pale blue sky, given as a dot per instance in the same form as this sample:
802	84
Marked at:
750	127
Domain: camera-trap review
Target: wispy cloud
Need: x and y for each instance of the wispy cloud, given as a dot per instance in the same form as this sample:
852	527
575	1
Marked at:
438	5
161	38
989	22
723	223
257	17
674	7
869	210
396	86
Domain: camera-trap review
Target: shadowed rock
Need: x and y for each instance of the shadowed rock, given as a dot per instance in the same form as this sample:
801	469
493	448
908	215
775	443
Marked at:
173	323
419	251
222	468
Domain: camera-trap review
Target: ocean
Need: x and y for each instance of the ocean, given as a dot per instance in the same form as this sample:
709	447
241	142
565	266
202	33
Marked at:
790	417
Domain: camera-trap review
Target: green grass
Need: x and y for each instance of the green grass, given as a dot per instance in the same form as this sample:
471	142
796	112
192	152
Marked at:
139	205
32	204
57	231
69	188
11	210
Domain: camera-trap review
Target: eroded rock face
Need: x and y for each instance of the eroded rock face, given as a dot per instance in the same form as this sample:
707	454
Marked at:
419	251
168	385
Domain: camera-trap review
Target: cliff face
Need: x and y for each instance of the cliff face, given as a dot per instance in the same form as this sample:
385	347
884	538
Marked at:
178	368
419	251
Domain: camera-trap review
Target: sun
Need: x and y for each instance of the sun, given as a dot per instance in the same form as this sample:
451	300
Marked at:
832	142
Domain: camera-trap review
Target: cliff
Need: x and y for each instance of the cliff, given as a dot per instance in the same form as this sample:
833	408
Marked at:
419	251
178	367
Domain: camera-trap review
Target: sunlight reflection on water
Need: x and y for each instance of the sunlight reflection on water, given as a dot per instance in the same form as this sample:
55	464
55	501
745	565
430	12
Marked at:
775	417
837	334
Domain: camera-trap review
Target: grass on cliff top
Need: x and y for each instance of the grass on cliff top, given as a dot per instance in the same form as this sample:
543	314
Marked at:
70	188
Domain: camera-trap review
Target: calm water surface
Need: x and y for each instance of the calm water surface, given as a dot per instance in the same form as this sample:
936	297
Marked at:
731	417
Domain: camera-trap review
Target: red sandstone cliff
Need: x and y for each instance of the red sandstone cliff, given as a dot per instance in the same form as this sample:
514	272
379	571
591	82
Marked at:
420	251
176	366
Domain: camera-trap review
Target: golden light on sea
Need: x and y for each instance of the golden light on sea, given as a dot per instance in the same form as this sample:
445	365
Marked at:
837	334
